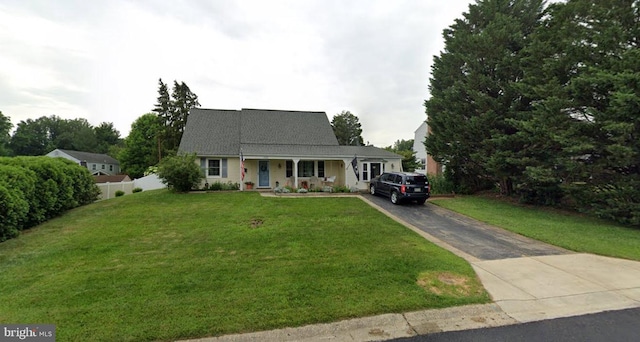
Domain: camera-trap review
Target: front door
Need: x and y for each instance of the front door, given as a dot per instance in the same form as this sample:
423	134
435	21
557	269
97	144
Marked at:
263	173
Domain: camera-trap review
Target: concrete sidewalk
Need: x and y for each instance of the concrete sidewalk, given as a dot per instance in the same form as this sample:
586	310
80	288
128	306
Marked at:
536	288
523	289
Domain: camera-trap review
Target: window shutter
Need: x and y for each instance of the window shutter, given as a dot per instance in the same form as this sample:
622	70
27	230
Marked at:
203	165
224	167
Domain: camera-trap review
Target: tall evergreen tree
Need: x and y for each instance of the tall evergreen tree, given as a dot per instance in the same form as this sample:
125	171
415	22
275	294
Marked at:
582	71
164	110
183	100
347	129
474	95
173	111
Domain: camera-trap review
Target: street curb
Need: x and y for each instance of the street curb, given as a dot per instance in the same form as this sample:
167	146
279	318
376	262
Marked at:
383	327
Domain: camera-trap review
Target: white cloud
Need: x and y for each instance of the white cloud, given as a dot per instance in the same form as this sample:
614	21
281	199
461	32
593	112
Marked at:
101	60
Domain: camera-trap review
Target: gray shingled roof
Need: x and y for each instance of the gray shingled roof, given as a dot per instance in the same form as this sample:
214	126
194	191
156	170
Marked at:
267	133
212	132
286	128
96	158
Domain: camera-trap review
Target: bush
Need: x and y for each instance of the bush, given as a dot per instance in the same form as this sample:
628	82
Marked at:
35	189
22	184
440	185
180	173
136	190
13	210
341	188
219	186
619	202
119	193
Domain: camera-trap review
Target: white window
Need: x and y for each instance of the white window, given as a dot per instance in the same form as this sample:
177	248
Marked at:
371	170
214	168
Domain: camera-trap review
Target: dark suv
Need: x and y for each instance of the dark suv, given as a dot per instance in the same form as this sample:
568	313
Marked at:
401	186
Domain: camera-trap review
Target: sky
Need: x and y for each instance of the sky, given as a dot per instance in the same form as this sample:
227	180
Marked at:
101	60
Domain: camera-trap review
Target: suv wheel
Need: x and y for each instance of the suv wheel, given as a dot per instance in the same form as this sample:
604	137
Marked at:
372	189
394	197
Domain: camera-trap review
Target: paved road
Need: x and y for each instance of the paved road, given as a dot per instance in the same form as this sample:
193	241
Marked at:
479	240
612	326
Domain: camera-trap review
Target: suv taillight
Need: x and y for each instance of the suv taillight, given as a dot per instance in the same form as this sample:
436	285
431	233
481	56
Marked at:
403	189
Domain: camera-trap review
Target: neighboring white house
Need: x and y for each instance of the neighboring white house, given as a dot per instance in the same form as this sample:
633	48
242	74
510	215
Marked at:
96	163
430	166
279	147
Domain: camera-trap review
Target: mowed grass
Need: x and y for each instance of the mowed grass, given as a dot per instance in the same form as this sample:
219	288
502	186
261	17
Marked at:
572	231
163	266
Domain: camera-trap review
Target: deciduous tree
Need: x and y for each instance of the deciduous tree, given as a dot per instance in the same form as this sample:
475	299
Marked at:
141	146
347	129
106	136
5	137
405	149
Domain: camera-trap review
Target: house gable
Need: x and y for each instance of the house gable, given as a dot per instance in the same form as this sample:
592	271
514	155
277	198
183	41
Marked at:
94	162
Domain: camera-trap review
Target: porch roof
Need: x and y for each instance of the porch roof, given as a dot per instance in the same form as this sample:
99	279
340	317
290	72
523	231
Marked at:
314	152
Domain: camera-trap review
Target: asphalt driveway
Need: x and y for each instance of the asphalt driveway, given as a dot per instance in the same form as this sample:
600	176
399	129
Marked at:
479	240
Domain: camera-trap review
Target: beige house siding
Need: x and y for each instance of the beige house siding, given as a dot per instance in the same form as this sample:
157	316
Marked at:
340	169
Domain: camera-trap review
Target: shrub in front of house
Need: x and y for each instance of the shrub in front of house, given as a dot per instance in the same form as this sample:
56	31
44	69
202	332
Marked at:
35	189
219	186
440	185
341	188
136	190
180	173
119	193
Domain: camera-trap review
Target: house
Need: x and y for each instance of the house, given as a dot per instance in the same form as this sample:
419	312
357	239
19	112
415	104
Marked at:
431	167
98	164
278	147
111	178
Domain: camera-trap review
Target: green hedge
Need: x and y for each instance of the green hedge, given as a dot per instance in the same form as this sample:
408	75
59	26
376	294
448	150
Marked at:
35	189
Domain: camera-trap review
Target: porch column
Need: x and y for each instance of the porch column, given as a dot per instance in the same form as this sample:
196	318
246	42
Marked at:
347	169
295	172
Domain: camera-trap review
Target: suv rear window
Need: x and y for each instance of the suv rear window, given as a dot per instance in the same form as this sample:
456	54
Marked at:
416	180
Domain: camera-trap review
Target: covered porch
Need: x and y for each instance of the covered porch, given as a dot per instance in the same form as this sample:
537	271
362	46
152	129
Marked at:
297	173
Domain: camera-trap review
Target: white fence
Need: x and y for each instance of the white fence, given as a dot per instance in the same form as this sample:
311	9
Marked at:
150	182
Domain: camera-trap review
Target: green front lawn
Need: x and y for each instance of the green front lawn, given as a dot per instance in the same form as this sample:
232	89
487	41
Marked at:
568	230
163	266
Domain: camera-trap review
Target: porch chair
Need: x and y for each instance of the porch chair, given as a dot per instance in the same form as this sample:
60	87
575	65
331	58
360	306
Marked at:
327	183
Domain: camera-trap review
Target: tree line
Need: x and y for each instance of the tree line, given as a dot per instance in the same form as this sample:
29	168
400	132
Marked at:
542	101
156	135
36	137
152	136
